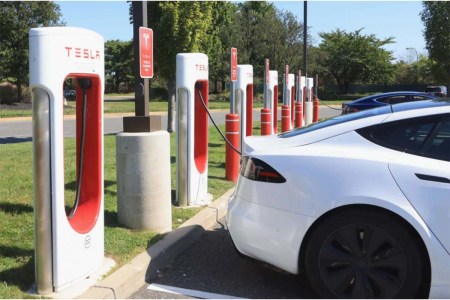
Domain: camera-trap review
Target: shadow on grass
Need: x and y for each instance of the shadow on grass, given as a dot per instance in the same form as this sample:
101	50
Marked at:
215	145
111	220
15	208
72	186
219	165
23	276
14	140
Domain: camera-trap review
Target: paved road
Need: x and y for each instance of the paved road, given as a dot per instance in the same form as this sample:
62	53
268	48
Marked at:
21	130
212	266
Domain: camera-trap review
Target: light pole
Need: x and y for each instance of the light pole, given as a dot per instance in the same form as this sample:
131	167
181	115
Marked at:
417	54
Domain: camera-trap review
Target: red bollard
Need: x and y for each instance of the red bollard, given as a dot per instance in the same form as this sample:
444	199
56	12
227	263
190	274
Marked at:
285	118
231	156
275	109
298	114
265	121
315	110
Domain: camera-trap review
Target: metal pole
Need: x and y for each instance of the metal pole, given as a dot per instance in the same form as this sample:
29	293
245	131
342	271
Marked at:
266	84
305	33
142	85
232	98
316	87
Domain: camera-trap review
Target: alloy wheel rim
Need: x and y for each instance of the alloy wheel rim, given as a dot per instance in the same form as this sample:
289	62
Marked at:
362	261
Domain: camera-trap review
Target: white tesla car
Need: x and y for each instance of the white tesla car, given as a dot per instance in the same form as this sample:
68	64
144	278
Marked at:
359	202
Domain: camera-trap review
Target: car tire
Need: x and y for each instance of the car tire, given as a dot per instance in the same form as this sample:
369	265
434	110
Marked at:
365	253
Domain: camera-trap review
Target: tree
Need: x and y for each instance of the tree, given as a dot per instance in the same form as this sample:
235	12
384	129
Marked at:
118	63
178	27
16	19
436	18
218	44
258	33
415	73
352	57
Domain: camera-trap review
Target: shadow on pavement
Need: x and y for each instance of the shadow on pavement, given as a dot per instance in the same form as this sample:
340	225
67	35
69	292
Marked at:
211	264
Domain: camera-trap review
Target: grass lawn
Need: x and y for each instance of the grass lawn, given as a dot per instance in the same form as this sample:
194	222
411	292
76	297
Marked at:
122	244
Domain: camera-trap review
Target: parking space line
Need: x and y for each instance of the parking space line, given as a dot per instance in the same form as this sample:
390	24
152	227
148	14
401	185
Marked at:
187	292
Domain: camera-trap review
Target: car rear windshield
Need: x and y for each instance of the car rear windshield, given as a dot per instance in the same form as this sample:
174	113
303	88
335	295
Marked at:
338	120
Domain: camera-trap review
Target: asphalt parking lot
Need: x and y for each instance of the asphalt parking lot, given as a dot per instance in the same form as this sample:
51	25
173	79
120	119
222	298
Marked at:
211	268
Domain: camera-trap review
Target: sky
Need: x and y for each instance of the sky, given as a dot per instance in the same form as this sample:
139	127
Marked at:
397	19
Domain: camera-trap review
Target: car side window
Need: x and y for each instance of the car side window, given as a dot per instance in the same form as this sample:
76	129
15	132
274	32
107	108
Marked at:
438	146
384	100
425	136
421	98
397	99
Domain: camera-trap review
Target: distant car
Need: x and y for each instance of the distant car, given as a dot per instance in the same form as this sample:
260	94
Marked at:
384	99
359	203
69	94
437	90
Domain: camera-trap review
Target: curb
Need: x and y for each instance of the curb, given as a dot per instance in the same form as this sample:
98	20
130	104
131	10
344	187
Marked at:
129	278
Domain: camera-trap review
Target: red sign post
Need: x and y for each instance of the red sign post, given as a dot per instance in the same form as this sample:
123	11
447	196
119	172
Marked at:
234	64
146	52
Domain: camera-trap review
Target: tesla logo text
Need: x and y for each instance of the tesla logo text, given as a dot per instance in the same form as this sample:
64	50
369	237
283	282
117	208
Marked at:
201	68
83	53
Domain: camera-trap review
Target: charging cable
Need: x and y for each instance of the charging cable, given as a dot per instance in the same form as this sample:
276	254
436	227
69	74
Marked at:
198	85
85	84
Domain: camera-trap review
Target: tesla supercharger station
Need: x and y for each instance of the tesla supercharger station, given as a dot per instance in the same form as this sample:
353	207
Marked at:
300	101
288	101
244	100
309	101
68	247
192	129
273	93
291	88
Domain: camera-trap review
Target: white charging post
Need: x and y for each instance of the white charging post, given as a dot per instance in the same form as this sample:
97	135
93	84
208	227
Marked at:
192	129
309	99
69	248
292	95
244	100
273	93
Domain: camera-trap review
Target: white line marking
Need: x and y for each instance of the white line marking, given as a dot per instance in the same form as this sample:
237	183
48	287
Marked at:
187	292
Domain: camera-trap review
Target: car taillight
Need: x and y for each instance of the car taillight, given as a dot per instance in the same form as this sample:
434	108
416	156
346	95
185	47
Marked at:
353	109
257	170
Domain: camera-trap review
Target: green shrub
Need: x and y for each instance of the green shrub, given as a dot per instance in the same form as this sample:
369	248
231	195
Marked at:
8	93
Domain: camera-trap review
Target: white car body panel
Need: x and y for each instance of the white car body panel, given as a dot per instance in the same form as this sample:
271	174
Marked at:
336	156
430	199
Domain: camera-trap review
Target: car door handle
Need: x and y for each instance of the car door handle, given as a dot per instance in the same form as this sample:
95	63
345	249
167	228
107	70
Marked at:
433	178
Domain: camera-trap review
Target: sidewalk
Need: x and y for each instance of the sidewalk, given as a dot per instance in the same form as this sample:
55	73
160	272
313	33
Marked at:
132	276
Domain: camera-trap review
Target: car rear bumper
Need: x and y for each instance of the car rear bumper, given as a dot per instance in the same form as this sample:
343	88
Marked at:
267	234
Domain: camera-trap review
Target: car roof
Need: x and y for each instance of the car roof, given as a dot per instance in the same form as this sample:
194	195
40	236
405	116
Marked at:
388	94
344	123
420	104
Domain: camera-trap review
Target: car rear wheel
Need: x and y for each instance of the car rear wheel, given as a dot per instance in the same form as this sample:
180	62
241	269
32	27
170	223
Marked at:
364	254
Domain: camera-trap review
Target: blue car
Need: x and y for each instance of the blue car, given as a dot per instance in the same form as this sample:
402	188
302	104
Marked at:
383	99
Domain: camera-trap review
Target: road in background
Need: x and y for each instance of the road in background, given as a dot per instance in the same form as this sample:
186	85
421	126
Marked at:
20	130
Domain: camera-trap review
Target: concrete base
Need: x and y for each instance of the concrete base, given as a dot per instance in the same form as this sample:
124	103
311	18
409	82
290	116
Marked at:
143	181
